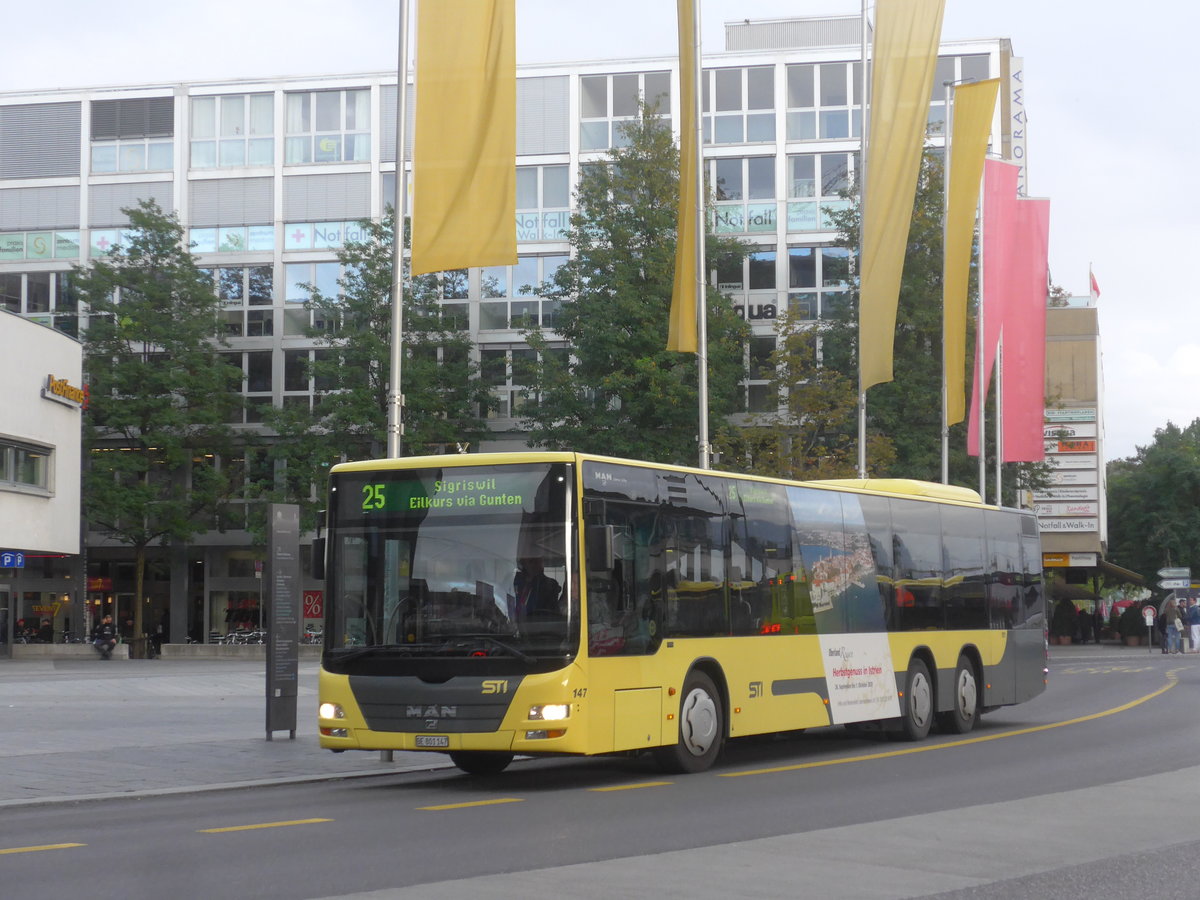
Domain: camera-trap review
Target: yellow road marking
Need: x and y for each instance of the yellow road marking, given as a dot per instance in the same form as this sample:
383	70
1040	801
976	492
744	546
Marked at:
631	787
474	803
263	825
1172	680
42	847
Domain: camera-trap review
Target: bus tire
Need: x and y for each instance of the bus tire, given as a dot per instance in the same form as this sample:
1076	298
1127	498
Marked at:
701	727
481	762
965	697
917	715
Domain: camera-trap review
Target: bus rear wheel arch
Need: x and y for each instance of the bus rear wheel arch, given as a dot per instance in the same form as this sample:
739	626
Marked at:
964	699
917	710
701	727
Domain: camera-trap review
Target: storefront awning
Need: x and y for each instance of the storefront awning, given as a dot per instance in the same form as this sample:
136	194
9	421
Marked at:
1117	573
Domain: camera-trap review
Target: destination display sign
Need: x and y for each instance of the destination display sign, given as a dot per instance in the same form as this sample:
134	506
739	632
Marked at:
474	491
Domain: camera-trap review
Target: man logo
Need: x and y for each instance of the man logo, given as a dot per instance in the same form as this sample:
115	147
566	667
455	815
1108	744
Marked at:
495	687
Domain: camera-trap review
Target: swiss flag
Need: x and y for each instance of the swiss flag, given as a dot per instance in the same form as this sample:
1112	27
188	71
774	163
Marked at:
1095	287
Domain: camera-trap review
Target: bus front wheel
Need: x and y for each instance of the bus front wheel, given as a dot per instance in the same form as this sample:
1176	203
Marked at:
965	714
701	727
481	762
917	715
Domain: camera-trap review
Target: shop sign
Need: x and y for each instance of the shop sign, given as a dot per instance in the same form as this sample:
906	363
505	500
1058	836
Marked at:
1081	525
1074	446
62	391
1068	560
1068	432
1082	461
99	584
1075	414
314	604
1084	492
1068	509
1085	477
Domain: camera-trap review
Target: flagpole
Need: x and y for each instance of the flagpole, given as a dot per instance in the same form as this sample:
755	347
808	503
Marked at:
999	414
949	85
980	355
701	227
395	396
862	219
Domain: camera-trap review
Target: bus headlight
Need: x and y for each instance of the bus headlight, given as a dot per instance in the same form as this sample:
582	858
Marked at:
330	711
549	712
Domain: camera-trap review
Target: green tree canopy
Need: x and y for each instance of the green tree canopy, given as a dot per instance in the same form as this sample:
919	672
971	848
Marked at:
619	390
161	393
1154	503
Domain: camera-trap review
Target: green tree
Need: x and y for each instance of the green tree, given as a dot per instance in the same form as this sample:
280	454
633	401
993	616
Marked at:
619	390
160	392
814	432
1154	503
445	401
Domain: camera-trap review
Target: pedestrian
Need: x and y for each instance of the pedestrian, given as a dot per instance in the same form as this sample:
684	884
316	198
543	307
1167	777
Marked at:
104	637
45	634
1098	622
1193	622
1174	626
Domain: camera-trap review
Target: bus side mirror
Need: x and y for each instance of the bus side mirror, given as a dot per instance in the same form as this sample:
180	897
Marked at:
318	559
599	548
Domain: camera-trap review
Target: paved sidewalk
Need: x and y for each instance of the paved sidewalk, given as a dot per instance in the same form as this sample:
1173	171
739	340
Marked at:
72	728
77	728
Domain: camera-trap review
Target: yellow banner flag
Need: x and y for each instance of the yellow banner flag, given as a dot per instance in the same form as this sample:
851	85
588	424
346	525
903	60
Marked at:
682	333
906	43
465	145
974	105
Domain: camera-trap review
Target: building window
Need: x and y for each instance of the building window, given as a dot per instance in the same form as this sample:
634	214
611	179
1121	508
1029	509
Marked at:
509	294
233	130
739	105
543	200
823	101
605	101
745	194
256	384
508	370
133	135
233	239
815	185
45	297
818	280
24	466
328	126
247	295
299	280
21	245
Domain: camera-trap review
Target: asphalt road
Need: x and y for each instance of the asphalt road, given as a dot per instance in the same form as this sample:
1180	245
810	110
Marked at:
1088	791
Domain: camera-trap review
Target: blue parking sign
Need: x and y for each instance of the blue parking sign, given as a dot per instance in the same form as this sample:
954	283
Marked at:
12	559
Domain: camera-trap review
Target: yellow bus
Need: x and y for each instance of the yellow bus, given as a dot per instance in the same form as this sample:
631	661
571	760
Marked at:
539	603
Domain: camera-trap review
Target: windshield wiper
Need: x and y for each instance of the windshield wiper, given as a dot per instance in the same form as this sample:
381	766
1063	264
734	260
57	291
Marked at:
359	652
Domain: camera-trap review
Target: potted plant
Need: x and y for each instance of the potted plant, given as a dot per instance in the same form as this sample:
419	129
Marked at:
1064	622
1131	626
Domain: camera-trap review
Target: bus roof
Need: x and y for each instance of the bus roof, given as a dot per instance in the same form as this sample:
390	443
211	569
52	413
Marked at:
895	486
909	486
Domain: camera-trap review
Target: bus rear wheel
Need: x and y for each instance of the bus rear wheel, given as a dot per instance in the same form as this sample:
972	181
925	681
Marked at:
481	762
965	714
917	714
701	728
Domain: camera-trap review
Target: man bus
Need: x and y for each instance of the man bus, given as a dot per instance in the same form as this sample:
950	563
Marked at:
491	605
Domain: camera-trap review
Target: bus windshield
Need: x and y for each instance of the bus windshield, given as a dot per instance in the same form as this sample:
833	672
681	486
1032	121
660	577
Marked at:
452	562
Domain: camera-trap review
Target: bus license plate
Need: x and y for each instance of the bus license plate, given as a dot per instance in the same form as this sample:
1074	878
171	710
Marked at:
432	740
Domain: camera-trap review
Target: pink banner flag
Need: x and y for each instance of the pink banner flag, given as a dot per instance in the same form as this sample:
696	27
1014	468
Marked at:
998	238
1024	367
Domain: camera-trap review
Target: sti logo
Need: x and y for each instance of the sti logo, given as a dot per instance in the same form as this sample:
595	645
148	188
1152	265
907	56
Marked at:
495	687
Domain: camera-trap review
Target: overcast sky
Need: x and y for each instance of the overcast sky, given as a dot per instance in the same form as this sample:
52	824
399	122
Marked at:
1103	93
